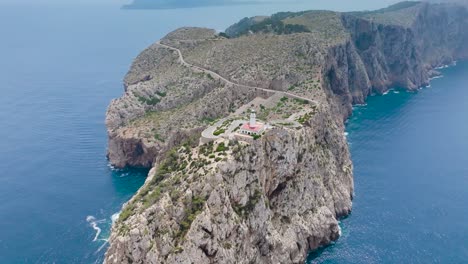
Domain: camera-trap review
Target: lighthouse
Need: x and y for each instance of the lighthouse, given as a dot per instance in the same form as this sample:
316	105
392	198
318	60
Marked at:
253	119
252	127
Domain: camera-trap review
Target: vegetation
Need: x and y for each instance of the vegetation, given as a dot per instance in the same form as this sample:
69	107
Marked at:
158	137
161	183
207	120
221	147
245	210
192	209
161	94
219	132
148	101
301	101
224	35
273	24
304	118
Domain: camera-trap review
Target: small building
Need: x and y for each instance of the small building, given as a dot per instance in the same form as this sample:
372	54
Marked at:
252	127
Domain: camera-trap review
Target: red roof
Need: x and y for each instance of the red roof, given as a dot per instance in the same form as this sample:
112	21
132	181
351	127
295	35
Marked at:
255	128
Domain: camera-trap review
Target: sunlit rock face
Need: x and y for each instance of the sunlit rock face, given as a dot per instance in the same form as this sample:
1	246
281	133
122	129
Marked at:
273	199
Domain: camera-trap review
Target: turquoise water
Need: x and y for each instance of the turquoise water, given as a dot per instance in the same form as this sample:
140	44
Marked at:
60	67
411	176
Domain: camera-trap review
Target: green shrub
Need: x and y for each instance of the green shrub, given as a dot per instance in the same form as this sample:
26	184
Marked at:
161	94
224	35
221	147
245	210
191	212
301	101
219	132
158	137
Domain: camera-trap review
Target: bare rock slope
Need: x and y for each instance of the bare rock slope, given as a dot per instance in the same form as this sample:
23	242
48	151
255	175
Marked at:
276	198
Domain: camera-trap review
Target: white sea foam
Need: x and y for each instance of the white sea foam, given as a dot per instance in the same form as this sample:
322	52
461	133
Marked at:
115	217
436	77
339	230
442	67
94	224
386	93
397	92
102	246
124	175
346	134
110	166
359	105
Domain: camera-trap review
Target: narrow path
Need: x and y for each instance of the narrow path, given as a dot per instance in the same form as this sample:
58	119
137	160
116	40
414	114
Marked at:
219	77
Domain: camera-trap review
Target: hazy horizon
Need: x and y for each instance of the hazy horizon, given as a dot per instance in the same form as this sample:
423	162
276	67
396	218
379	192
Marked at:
336	5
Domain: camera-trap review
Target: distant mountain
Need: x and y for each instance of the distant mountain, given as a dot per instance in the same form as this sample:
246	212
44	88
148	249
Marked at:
170	4
449	1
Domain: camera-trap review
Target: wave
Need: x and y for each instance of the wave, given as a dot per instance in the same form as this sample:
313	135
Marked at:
94	224
436	77
102	246
359	105
442	67
454	63
115	217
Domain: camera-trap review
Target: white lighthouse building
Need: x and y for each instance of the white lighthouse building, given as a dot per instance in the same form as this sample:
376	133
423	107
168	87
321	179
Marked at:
253	119
252	127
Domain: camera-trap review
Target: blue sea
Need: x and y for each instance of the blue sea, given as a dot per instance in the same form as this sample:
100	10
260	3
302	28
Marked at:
61	65
409	151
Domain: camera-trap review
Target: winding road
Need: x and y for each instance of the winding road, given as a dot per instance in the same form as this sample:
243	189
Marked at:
219	77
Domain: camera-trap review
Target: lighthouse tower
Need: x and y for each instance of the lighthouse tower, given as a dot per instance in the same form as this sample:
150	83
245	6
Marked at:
253	119
252	127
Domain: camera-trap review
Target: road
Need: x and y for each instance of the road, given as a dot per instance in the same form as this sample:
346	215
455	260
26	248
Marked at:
219	77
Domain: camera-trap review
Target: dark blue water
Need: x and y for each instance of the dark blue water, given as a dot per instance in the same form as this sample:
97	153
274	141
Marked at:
411	177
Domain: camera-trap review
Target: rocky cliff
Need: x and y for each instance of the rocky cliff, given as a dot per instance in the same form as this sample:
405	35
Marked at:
274	199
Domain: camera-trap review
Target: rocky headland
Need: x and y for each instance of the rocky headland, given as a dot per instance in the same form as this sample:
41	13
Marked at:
275	198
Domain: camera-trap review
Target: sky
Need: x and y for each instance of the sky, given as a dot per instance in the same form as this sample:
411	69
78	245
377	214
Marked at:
329	4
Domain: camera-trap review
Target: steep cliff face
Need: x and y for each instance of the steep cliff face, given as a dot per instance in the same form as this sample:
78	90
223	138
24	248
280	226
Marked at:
273	200
268	202
387	50
403	53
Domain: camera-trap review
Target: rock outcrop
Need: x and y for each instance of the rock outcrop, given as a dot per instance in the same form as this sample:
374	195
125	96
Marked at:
268	202
276	198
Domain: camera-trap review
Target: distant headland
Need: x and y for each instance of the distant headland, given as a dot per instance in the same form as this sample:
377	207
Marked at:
173	4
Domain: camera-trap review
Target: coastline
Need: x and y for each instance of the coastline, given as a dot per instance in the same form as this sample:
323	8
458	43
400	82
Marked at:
376	183
341	87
